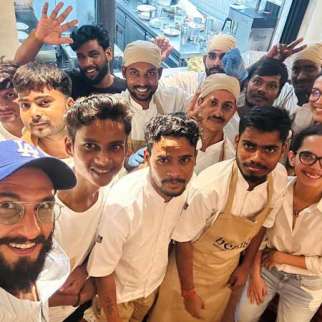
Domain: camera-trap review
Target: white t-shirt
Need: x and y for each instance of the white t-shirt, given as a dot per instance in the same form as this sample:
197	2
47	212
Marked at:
76	233
52	277
303	240
209	193
6	135
213	154
171	99
134	236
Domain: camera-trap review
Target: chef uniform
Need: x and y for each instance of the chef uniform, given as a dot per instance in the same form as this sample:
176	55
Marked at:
225	216
224	149
164	101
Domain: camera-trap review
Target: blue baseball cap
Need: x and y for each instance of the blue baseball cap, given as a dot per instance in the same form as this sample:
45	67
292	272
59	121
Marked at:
17	154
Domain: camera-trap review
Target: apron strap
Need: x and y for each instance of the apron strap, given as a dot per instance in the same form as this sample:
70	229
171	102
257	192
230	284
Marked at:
232	190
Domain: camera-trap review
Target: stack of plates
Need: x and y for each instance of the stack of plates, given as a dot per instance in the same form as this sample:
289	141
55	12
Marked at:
171	32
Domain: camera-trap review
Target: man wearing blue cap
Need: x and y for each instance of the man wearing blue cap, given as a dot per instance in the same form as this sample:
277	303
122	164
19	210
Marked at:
32	265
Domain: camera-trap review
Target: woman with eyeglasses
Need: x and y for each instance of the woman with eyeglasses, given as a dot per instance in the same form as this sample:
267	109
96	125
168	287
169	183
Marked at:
291	263
311	112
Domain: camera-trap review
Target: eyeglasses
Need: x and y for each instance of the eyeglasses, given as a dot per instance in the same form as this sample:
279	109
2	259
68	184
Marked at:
309	158
11	212
315	95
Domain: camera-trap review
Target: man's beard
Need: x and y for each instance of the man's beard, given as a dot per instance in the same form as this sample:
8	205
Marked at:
24	273
302	96
214	70
251	178
140	99
103	71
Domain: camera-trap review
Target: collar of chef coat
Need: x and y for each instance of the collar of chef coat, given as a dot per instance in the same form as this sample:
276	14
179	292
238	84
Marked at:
243	184
136	106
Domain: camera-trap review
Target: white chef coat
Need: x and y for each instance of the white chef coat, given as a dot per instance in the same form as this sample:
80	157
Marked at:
76	233
209	193
303	240
51	278
213	154
171	99
134	236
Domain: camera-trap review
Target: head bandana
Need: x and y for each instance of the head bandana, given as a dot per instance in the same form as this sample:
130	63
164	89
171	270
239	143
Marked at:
221	42
220	82
312	52
141	51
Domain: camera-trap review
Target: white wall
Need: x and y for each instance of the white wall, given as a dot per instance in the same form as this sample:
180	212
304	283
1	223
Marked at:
311	28
8	31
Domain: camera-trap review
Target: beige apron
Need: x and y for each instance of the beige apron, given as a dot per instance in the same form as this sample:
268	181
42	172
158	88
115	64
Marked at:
216	255
134	145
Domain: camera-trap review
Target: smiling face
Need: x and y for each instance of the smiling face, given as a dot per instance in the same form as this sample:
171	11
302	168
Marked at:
98	151
24	245
141	80
215	110
262	90
257	153
171	162
308	175
315	100
93	61
42	112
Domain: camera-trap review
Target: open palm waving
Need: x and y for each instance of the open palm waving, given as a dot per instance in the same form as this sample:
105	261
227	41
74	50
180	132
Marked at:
50	28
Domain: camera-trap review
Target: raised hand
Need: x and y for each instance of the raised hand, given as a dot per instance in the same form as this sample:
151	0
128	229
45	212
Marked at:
164	44
193	107
50	28
283	51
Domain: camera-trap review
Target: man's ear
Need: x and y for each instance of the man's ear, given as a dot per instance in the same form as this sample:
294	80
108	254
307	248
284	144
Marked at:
160	70
291	158
285	147
69	103
237	138
123	71
204	59
196	154
108	54
146	156
69	147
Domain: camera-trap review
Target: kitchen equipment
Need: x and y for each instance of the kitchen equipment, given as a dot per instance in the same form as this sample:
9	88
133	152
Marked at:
158	23
171	32
194	31
146	11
